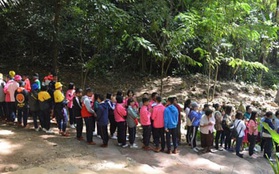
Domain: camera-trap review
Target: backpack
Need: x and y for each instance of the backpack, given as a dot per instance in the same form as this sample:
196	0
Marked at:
234	131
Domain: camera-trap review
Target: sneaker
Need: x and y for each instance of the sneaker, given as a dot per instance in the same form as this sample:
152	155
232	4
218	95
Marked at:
119	144
220	149
253	156
37	129
94	133
44	129
127	138
124	146
49	131
239	155
196	150
99	136
72	126
272	160
114	137
134	146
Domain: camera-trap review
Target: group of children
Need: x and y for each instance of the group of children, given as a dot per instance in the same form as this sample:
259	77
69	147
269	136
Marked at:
160	120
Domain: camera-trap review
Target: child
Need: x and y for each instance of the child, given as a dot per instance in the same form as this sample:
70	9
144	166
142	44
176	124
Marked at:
131	117
120	114
195	117
77	113
240	128
21	100
87	114
146	123
45	107
158	122
34	105
70	96
59	112
170	124
102	119
112	123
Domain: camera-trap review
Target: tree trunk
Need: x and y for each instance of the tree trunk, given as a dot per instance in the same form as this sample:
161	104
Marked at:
208	85
162	77
215	81
56	21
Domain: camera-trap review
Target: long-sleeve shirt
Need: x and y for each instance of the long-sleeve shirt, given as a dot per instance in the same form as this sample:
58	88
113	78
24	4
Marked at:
70	96
10	89
195	117
120	113
131	116
170	117
158	116
86	102
240	127
145	116
58	96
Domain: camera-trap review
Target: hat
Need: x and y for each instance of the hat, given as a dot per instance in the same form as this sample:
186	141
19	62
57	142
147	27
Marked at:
194	105
35	75
35	86
17	78
12	73
1	76
58	85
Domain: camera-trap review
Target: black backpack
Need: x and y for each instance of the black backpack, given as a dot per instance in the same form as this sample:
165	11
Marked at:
235	133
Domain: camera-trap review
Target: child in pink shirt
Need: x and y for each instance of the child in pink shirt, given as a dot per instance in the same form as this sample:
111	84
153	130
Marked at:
145	120
158	123
70	96
252	132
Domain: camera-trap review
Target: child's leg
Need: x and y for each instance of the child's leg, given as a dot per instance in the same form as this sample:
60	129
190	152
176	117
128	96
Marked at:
19	116
156	137
79	122
25	116
174	137
162	137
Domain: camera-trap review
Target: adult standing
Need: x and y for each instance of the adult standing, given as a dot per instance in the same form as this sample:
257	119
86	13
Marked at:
252	132
218	125
240	127
195	117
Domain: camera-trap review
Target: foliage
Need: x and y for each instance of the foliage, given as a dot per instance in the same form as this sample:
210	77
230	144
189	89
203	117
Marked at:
234	39
275	137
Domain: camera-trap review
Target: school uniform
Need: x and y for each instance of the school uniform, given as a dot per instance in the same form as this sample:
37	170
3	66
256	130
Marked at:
34	107
112	122
120	114
59	112
131	116
102	119
145	119
21	101
87	114
170	123
158	123
45	106
77	115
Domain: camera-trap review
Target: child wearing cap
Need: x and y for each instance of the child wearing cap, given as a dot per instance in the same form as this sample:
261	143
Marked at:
59	111
195	117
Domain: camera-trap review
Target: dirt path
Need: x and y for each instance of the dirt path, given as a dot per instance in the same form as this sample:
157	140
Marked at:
26	151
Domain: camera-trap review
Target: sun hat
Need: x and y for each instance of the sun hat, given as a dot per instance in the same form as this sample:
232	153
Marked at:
17	78
58	85
12	73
